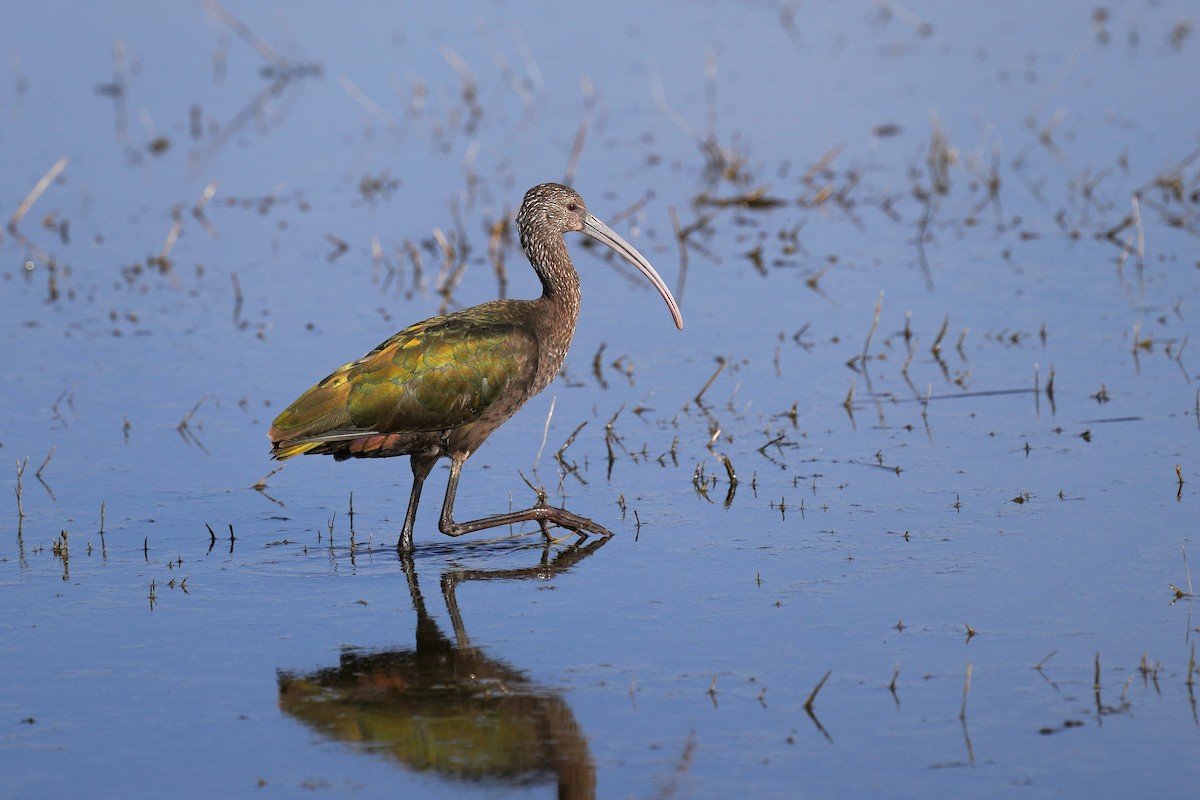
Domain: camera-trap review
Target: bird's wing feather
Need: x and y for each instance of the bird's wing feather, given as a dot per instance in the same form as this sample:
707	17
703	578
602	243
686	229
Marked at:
432	376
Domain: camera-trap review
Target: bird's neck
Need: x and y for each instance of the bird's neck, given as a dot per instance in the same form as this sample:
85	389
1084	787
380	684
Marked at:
560	294
560	281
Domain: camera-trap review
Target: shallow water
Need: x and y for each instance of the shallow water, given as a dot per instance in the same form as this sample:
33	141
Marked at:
974	543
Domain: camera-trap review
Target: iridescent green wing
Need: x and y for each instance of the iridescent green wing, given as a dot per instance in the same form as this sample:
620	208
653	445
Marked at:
432	376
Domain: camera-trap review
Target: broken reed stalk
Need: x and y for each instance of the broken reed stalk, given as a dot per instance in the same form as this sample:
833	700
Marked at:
808	704
598	365
874	325
545	433
365	102
538	490
414	258
936	349
710	94
681	238
962	713
589	105
36	192
262	482
570	439
908	360
720	366
243	31
1141	234
238	298
198	210
724	459
496	255
20	471
176	228
1186	568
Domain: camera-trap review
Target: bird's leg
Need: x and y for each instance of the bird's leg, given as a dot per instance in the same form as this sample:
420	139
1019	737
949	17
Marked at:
421	465
449	581
541	513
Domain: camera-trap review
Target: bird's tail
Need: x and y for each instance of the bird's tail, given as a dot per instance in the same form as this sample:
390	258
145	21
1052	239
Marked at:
279	451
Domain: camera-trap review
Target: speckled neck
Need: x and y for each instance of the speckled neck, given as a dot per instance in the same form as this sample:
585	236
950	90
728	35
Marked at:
560	299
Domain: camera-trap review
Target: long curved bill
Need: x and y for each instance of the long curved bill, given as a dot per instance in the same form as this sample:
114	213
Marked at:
602	233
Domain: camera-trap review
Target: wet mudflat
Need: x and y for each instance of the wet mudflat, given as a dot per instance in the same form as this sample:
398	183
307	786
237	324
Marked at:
905	509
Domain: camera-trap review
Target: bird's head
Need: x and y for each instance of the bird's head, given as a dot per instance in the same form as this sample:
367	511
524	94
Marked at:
551	207
550	210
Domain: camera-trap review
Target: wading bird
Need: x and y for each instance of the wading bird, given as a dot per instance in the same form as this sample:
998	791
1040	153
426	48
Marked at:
440	387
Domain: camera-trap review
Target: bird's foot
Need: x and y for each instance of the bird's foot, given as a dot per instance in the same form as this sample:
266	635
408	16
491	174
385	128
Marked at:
544	515
565	519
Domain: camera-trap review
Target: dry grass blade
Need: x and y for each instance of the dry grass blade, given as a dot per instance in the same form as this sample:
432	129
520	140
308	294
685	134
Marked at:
1186	568
521	87
874	325
728	464
670	787
559	454
366	103
681	239
962	713
261	483
545	433
238	298
589	105
36	192
808	704
936	348
822	164
1180	593
496	240
470	90
1042	663
720	366
237	26
1141	235
20	471
38	474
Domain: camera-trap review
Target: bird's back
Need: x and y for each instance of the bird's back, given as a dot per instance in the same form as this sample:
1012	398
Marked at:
469	368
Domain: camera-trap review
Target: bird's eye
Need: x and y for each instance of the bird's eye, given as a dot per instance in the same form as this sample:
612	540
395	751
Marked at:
572	207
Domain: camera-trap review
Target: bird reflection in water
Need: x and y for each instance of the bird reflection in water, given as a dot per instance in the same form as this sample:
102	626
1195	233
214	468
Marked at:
447	708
